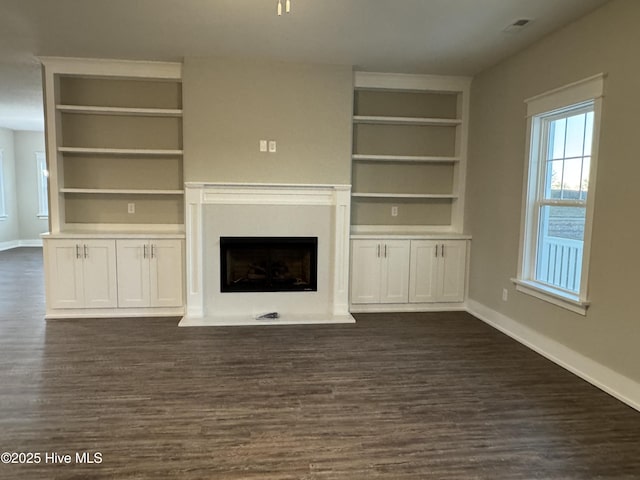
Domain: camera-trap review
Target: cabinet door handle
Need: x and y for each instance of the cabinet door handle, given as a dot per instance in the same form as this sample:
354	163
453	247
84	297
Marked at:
152	251
385	250
436	250
378	251
86	251
78	255
144	251
442	250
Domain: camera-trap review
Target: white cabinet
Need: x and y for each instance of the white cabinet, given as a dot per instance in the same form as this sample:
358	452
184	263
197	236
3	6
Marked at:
437	271
379	271
407	274
149	273
81	273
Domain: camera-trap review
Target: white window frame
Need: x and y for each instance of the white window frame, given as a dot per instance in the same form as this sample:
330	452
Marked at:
589	90
42	176
3	203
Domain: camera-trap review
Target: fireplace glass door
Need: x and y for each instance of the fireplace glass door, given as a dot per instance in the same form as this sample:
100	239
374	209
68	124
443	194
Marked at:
268	264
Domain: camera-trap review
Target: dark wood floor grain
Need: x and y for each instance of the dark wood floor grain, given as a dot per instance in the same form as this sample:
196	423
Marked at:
412	396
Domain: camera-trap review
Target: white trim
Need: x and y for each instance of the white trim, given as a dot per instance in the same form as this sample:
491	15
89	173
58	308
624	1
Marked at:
113	68
577	92
405	81
3	200
43	184
407	307
548	294
11	244
61	313
615	384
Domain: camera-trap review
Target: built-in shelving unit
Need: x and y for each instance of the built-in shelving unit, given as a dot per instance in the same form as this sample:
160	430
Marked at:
114	133
116	210
409	152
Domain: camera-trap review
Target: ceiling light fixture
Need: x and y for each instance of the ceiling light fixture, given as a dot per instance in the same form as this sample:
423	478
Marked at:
287	7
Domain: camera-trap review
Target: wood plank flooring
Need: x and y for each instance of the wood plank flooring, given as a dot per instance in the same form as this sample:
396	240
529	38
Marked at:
412	396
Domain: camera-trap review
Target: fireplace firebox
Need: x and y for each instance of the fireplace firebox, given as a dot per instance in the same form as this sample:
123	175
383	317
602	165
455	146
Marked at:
268	264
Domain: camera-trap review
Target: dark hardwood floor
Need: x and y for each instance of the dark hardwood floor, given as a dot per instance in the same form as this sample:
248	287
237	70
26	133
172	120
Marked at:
412	396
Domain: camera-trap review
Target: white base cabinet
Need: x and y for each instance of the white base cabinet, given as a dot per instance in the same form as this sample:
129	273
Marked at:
380	271
437	271
113	277
81	273
407	274
149	273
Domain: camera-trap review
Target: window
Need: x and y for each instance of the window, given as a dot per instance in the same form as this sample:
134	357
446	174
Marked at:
555	238
43	174
3	205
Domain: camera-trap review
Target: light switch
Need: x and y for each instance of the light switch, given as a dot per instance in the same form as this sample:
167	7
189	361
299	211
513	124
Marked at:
131	208
263	145
272	146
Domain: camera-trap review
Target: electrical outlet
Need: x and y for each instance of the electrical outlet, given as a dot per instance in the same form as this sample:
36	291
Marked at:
394	211
131	208
272	146
263	145
505	294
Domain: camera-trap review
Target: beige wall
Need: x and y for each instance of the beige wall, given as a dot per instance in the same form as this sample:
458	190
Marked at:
9	227
26	145
603	41
229	105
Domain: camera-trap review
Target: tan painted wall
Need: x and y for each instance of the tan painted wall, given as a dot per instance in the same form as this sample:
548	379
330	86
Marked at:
229	105
603	41
26	145
9	227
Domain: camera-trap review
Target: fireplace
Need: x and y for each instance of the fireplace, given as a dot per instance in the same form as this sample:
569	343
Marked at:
268	264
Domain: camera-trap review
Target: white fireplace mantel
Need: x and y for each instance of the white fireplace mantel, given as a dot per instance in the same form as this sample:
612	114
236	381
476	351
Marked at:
198	194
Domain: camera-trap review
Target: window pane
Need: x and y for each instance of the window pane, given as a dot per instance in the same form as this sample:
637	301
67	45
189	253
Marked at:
571	179
553	187
560	246
556	138
575	136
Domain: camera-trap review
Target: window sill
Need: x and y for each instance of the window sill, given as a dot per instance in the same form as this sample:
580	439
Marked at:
42	217
551	295
3	217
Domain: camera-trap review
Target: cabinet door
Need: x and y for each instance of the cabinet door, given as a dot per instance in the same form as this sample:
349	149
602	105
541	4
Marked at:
99	274
451	271
64	273
365	271
133	273
166	273
394	274
424	270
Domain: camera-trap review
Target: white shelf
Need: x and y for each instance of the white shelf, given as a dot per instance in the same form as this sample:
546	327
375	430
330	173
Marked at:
384	120
121	151
129	111
404	195
403	158
126	191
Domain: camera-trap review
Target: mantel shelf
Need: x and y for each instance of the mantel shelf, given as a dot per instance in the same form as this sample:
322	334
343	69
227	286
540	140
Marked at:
121	151
404	158
125	191
124	111
384	120
404	195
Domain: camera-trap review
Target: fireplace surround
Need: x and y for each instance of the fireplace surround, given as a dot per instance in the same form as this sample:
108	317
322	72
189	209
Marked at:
216	210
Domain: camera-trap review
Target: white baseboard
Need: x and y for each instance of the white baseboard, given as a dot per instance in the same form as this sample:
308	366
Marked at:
20	243
610	381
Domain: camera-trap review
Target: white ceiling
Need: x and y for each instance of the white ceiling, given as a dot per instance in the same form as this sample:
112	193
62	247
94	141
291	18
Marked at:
416	36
